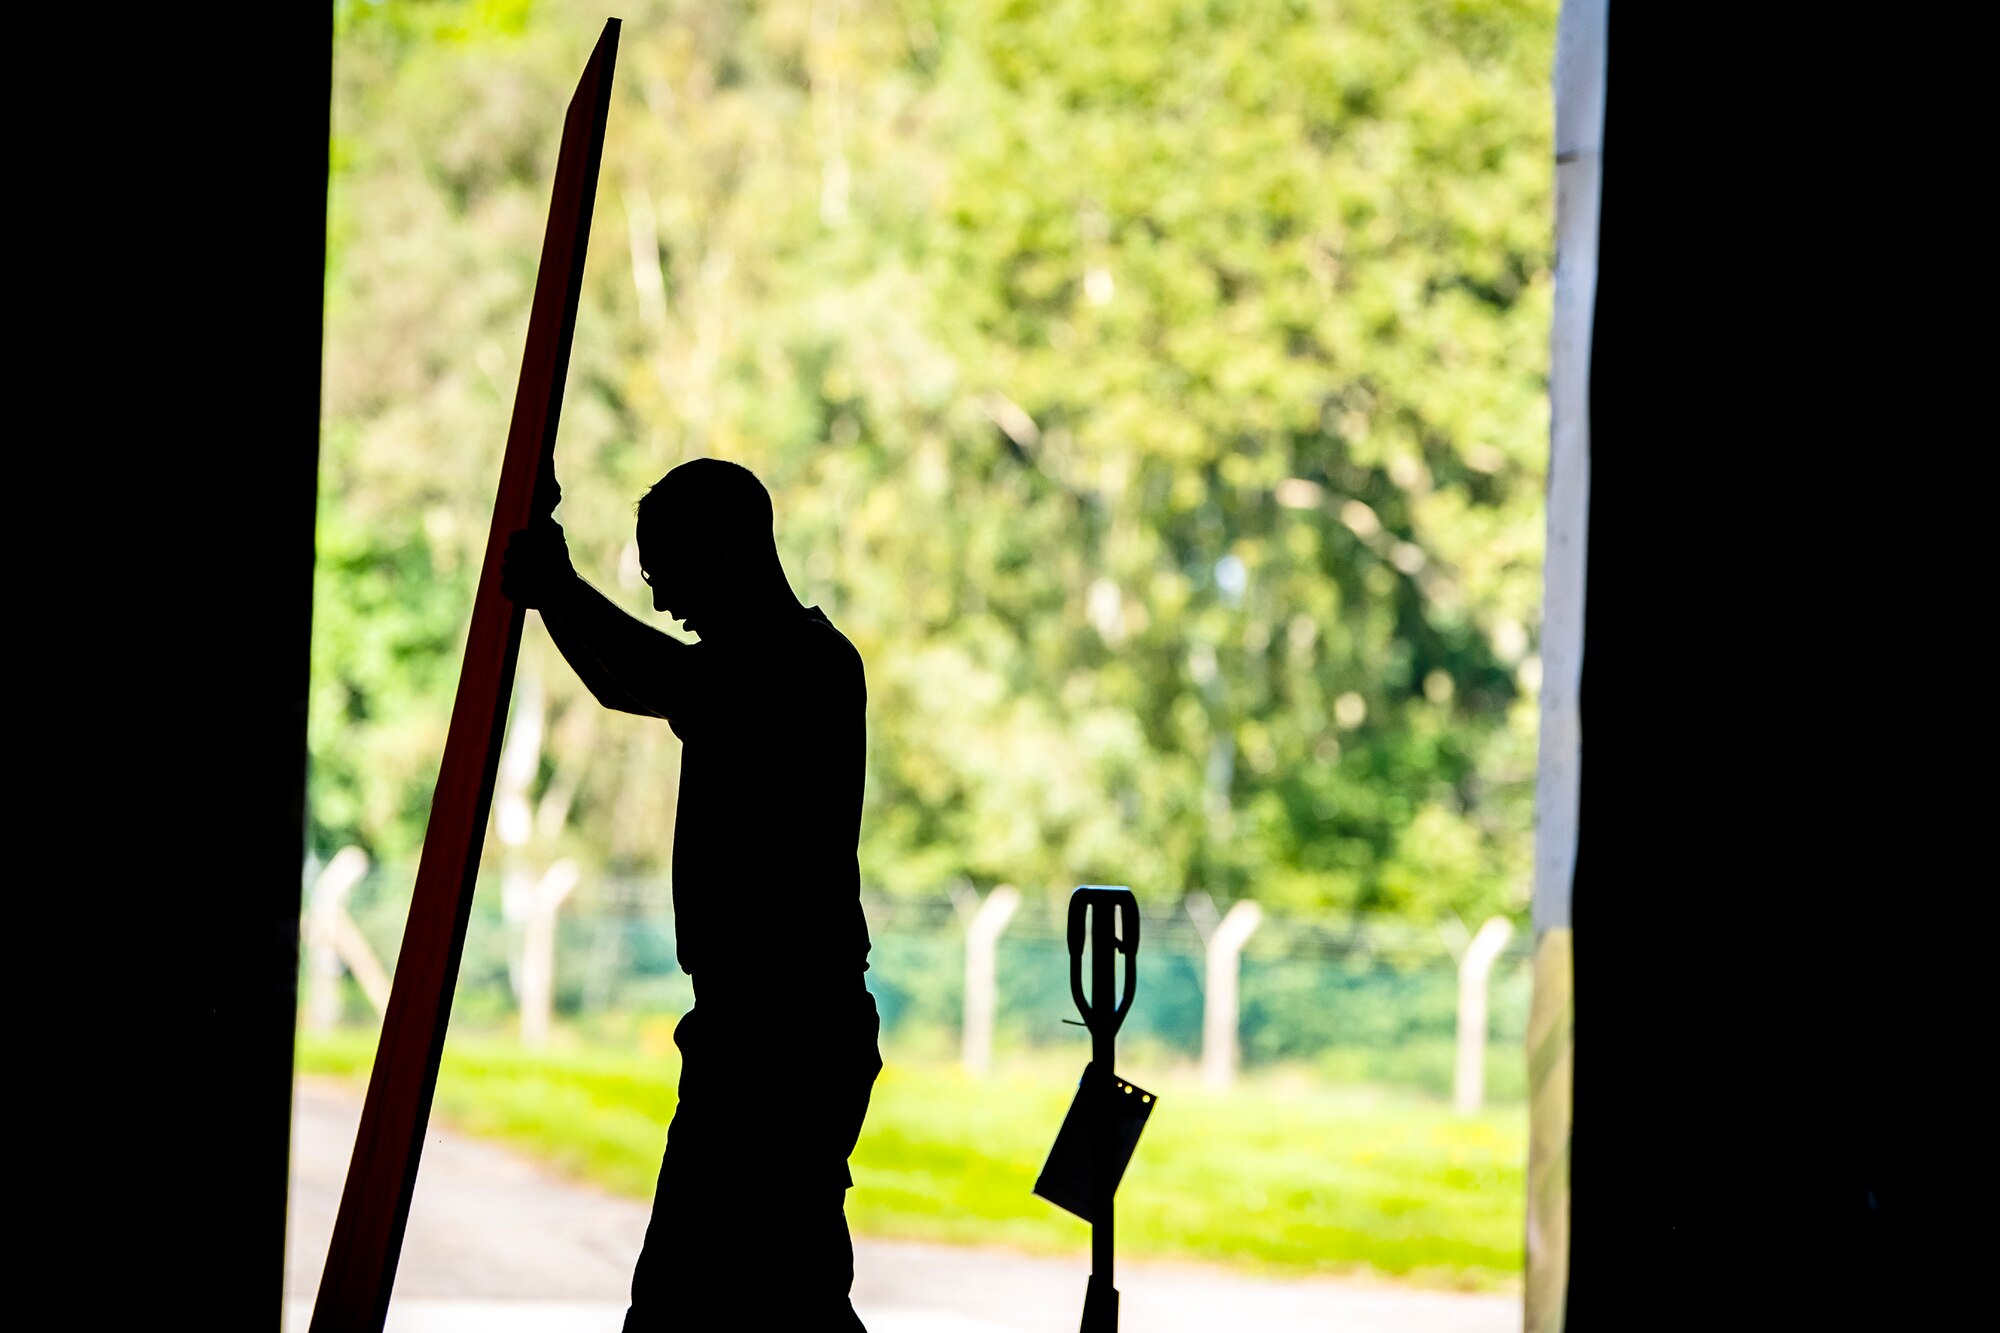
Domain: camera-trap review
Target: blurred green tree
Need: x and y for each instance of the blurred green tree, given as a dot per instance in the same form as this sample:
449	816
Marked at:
1153	390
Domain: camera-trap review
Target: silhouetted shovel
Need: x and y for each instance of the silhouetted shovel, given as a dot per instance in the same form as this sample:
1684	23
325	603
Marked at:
1102	1128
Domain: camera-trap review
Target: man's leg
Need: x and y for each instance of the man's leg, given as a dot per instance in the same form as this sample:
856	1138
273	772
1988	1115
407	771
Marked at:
749	1247
749	1216
681	1264
808	1113
677	1238
805	1222
854	1074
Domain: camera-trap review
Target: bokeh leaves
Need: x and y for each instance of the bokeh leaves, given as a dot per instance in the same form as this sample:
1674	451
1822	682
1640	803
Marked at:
1154	391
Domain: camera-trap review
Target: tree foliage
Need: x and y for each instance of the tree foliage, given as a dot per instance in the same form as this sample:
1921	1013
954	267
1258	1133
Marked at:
1155	391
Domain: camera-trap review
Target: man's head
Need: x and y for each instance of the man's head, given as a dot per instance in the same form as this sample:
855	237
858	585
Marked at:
706	543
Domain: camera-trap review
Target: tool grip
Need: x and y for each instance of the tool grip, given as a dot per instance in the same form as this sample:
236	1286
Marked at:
1097	900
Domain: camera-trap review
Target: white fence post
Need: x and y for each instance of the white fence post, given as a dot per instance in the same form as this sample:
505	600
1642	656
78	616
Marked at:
1218	1008
1475	970
526	900
538	951
327	906
982	947
361	961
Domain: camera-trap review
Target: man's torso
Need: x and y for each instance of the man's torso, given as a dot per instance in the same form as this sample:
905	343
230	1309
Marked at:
774	752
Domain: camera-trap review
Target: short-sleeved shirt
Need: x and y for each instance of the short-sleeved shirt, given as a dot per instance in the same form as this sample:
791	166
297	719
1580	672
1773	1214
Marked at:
767	885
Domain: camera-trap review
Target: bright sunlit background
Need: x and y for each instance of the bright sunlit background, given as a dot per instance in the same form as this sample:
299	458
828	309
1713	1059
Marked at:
1155	392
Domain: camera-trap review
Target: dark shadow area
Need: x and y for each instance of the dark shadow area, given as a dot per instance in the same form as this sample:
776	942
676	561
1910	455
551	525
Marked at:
174	182
1752	1086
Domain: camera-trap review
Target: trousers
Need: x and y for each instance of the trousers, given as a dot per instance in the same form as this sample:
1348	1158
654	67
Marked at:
749	1224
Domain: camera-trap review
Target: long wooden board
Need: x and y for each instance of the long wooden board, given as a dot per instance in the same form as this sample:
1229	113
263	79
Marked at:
375	1205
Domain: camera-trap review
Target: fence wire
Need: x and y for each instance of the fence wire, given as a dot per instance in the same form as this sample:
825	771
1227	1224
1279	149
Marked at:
1363	999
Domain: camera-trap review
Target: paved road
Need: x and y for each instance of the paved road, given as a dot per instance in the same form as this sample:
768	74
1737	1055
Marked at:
499	1244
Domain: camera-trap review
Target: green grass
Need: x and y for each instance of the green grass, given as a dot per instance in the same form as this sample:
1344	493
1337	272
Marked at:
1278	1175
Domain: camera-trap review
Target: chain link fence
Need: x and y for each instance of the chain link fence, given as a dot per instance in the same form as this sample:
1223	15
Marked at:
1359	1000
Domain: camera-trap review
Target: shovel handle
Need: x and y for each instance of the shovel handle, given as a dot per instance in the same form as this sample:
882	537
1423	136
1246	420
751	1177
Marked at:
1123	920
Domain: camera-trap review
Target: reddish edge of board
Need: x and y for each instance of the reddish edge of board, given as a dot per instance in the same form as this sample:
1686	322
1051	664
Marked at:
375	1204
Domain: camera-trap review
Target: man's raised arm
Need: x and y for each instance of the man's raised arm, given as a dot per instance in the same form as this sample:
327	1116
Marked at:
627	665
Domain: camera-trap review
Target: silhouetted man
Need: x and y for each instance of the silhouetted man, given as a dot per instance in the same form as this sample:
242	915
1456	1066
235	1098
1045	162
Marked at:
779	1053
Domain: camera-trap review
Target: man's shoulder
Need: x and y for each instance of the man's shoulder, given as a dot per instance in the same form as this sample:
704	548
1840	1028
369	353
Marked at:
830	652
